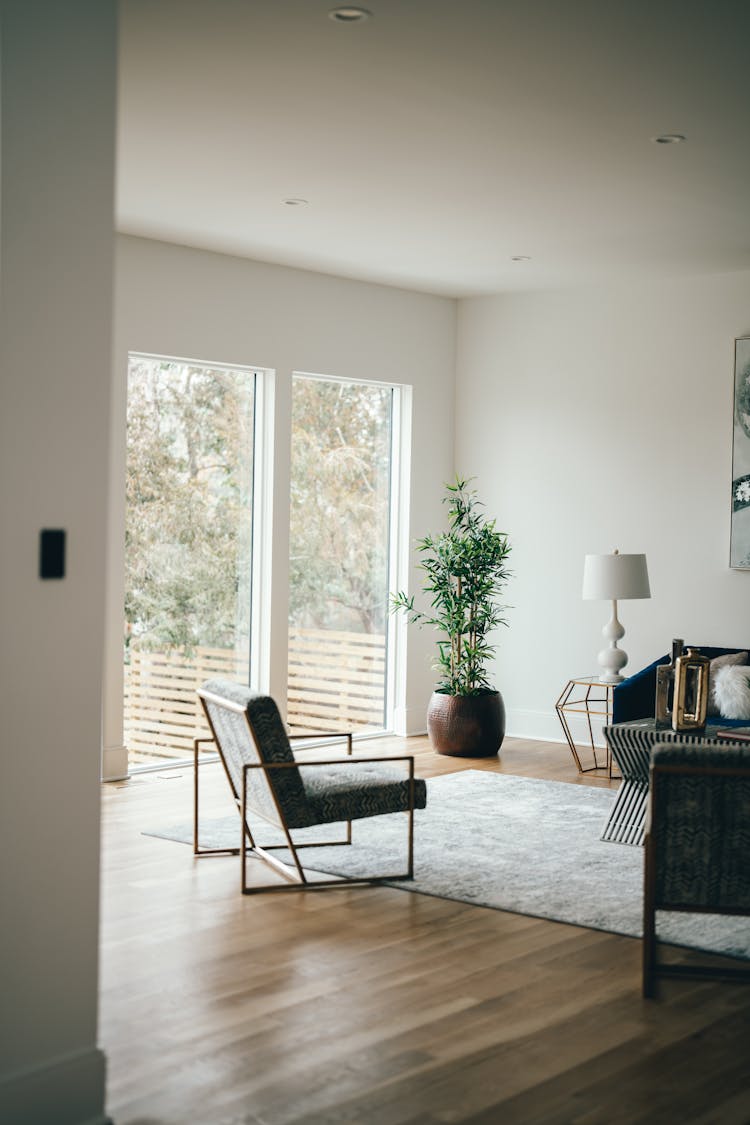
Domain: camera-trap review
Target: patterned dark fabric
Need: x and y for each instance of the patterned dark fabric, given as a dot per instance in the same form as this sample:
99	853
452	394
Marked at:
270	744
306	794
352	792
701	828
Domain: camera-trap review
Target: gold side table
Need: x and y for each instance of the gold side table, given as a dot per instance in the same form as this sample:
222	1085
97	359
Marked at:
592	699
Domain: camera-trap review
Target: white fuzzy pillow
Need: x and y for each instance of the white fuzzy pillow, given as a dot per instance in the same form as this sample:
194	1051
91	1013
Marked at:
731	686
721	662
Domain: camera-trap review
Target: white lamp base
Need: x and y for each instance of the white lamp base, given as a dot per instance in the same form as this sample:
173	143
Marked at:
612	659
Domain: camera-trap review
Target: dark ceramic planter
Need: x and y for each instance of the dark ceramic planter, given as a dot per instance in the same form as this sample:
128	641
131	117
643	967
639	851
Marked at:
466	726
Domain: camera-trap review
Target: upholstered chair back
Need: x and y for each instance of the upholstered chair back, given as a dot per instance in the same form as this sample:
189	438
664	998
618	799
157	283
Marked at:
248	729
700	824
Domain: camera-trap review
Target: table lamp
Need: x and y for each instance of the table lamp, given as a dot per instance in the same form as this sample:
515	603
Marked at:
611	578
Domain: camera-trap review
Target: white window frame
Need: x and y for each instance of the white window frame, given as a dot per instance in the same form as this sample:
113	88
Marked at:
398	540
260	552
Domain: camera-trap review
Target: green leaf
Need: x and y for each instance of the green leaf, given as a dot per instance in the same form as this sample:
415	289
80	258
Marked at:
465	572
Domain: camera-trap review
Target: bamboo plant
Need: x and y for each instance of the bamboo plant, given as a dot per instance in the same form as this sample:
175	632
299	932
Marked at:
464	572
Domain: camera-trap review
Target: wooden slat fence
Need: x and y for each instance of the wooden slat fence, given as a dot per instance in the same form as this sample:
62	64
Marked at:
162	712
336	681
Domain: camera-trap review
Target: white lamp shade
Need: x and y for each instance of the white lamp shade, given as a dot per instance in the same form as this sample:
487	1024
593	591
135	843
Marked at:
614	577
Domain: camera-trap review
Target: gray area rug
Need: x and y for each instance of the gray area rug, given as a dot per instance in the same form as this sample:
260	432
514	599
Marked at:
509	843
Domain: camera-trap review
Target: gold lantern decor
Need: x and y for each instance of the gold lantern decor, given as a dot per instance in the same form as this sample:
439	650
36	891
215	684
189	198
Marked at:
690	691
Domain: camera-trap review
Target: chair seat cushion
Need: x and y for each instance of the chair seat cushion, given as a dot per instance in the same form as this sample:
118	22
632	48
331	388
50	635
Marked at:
350	792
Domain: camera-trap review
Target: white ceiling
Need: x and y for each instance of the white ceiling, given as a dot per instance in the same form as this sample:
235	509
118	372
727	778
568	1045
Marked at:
438	139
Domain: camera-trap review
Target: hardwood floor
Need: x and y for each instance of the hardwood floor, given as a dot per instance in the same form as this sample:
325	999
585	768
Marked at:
379	1007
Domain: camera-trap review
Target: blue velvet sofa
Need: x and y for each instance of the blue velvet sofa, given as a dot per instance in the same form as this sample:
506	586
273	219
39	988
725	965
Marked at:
635	697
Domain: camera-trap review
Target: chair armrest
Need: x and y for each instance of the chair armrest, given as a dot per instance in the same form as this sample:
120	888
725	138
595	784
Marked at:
331	762
270	768
328	735
198	741
323	734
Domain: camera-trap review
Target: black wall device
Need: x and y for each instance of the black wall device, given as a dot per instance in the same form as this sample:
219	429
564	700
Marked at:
51	553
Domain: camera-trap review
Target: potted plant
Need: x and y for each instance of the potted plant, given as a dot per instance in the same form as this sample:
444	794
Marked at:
464	572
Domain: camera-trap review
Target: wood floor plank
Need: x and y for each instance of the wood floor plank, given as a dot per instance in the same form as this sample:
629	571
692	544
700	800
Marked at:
374	1006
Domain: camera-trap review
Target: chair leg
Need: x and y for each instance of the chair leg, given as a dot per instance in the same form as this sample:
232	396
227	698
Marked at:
195	796
649	922
296	877
197	849
410	867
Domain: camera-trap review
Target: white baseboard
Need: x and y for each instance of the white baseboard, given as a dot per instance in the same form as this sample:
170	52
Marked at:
408	721
542	726
545	727
115	763
68	1091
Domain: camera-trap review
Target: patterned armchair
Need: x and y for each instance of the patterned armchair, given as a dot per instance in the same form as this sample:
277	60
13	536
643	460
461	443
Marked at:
697	846
269	784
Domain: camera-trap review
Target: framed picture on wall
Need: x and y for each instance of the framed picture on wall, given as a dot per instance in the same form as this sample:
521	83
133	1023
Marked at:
739	549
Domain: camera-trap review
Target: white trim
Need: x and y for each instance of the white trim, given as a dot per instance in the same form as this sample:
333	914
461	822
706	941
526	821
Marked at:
262	546
248	368
397	715
115	763
409	721
398	534
68	1090
114	768
207	759
544	726
346	379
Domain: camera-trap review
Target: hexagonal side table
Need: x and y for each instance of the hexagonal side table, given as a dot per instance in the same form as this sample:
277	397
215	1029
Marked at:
592	698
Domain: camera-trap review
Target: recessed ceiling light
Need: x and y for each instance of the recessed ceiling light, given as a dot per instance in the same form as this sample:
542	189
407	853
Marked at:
295	202
348	14
521	258
669	139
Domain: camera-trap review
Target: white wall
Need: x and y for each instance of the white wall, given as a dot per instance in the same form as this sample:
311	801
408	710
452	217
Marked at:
58	94
172	300
601	419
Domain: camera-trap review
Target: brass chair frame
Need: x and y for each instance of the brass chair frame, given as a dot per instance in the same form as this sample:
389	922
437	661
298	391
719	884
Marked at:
652	968
297	877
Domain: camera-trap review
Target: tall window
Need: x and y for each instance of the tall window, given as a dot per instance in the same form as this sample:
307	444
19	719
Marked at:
188	545
342	438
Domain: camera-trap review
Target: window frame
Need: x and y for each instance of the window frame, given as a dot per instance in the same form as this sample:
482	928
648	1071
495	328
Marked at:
398	536
260	539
